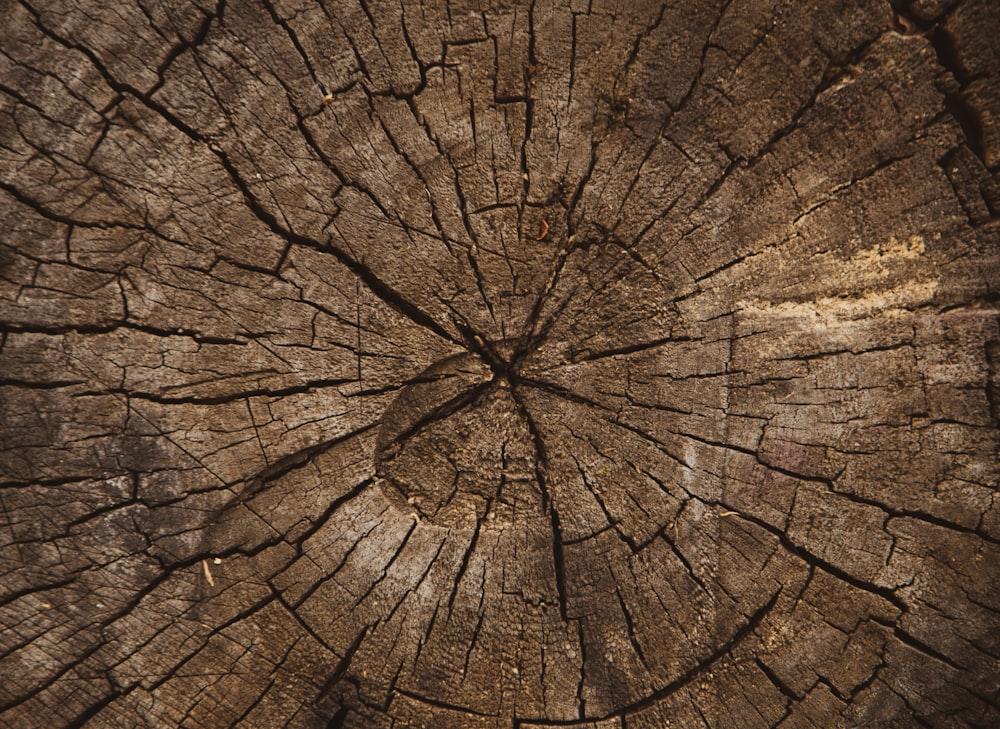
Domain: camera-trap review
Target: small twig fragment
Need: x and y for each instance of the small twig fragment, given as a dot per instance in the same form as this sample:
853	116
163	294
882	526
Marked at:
208	572
543	230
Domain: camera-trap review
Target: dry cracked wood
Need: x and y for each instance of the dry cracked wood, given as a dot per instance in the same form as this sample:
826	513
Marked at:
400	364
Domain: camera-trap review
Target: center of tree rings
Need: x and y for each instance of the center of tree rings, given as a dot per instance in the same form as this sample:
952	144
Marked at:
449	442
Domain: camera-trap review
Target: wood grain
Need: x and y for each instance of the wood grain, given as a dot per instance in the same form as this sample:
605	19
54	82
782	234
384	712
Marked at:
502	364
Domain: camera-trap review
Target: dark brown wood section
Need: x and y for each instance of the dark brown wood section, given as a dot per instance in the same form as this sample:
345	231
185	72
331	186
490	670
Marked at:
499	364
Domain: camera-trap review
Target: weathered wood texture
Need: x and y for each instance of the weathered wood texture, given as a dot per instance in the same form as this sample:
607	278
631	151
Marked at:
399	364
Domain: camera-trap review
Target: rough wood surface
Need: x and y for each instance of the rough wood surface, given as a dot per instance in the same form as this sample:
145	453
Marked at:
562	363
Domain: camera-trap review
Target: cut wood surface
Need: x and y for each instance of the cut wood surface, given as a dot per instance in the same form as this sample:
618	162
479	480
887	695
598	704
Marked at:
499	364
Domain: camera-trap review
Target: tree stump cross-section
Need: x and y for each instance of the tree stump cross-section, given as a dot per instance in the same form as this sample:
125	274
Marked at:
499	364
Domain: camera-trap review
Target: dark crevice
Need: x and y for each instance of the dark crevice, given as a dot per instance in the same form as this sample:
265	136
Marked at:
464	399
726	649
305	387
11	597
548	506
199	38
438	704
918	645
293	37
630	626
684	561
559	391
85	716
467	556
472	642
388	565
815	561
399	603
219	629
296	460
331	573
40	385
59	480
49	214
632	348
778	683
341	668
529	108
908	22
76	663
290	609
